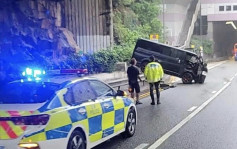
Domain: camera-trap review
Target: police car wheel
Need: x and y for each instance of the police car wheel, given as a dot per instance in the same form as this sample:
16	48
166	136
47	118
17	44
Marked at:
76	141
131	124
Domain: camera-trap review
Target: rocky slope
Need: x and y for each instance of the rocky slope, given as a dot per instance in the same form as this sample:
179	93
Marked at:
32	32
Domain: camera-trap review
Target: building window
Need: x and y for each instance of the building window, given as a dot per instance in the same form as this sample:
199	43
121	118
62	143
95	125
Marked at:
201	26
221	8
235	8
228	8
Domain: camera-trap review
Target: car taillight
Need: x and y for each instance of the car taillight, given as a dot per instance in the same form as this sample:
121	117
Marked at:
28	120
85	70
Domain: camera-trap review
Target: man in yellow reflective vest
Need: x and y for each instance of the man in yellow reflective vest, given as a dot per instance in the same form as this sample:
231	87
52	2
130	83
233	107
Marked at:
154	73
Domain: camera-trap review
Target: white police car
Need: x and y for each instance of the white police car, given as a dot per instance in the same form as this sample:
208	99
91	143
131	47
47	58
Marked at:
79	113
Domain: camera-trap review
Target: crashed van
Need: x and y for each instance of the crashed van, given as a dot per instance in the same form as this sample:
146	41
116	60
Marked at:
177	62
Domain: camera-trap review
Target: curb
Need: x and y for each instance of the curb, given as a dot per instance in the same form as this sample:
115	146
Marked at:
146	92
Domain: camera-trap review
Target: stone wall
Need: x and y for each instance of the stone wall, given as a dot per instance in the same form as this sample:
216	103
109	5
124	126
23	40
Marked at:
31	31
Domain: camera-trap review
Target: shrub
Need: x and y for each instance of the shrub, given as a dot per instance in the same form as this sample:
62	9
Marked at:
207	45
101	61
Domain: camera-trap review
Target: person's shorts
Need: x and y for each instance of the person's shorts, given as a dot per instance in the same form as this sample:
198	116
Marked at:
134	86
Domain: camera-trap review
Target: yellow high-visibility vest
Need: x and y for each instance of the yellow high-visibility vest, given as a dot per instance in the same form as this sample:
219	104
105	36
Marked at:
153	72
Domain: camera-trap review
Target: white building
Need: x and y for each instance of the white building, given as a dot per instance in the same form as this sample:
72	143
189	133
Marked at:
210	19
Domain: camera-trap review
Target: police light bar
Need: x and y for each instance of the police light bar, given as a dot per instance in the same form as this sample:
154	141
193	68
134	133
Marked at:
33	74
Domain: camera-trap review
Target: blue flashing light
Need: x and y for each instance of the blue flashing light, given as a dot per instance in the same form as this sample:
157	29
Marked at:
22	80
33	74
36	73
37	79
29	79
29	71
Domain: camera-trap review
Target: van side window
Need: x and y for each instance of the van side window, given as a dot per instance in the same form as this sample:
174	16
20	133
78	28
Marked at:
167	51
153	48
181	54
174	53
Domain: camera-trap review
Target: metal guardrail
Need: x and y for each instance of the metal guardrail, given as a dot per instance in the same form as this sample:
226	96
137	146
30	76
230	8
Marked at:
124	82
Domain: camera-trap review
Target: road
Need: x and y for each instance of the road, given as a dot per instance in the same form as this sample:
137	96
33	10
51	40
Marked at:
197	116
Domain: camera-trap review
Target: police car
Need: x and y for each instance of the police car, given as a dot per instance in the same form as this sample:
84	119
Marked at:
76	114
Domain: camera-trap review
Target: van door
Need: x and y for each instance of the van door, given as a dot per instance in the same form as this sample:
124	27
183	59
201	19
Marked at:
171	61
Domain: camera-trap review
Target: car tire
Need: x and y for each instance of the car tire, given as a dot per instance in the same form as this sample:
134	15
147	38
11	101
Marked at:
131	124
202	79
76	137
187	78
143	65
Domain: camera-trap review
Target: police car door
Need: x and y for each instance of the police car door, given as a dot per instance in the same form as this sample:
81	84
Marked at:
84	95
113	113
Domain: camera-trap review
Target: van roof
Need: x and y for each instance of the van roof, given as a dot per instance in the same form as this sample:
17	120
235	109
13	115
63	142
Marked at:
167	45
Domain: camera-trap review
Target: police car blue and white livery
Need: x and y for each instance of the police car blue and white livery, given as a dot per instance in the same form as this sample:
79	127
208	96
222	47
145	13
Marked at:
81	113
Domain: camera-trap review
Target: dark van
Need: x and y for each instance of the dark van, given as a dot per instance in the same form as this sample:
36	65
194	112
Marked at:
177	62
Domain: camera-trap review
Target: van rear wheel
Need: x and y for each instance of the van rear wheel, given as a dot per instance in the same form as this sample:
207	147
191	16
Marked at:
187	78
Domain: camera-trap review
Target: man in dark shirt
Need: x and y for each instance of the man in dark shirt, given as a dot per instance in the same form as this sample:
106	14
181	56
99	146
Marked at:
133	76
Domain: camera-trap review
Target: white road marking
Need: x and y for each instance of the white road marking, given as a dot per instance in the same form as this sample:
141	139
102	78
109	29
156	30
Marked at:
216	65
176	79
213	92
232	79
188	118
141	146
192	108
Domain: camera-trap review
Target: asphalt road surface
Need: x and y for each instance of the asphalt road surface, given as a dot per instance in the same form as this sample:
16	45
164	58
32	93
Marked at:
195	116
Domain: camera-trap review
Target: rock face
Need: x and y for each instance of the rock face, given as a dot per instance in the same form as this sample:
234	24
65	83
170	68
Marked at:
31	32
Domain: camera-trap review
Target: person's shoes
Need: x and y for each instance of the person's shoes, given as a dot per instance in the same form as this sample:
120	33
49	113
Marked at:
158	101
138	102
152	103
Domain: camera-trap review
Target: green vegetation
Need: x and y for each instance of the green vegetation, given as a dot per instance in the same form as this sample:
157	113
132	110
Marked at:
206	44
133	19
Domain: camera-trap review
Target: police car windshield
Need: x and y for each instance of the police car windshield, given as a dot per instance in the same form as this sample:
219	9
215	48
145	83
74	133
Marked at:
27	92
